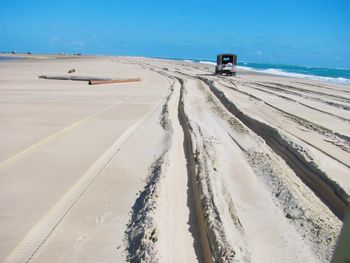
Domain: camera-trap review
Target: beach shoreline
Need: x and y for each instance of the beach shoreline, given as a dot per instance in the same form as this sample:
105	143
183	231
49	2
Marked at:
243	67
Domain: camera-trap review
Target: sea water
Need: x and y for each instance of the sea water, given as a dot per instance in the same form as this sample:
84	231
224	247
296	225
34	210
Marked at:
335	75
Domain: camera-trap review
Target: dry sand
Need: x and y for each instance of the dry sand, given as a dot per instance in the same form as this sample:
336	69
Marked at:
183	166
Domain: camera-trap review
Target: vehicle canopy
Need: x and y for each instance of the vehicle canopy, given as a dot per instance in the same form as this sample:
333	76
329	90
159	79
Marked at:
226	58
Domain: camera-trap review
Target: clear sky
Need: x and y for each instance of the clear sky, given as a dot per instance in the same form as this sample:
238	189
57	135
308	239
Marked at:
302	32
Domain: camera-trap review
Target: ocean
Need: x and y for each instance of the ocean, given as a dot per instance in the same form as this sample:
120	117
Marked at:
335	75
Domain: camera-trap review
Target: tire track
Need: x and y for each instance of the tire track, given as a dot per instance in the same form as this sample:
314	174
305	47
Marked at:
213	236
205	253
332	96
334	136
31	149
193	183
332	194
307	222
295	101
151	226
141	231
324	87
176	218
38	235
278	89
214	246
327	190
305	216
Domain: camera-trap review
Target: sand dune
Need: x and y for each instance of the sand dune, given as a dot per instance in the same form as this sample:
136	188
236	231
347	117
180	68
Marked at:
184	166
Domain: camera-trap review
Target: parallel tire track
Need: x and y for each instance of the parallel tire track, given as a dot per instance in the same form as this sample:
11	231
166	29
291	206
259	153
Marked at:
295	101
285	91
310	125
326	189
332	96
191	170
141	232
194	188
39	234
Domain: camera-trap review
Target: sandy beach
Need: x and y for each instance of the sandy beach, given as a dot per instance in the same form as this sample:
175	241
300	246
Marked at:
182	166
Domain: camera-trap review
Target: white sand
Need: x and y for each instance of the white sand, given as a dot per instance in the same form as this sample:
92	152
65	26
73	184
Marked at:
101	173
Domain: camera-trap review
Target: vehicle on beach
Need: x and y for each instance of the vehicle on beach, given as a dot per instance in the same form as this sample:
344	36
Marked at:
226	64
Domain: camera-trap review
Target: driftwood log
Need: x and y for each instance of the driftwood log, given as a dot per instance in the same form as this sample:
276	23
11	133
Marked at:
75	78
91	80
96	82
55	77
82	78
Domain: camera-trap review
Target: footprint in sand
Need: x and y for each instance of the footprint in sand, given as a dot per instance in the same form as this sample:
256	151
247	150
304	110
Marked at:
100	220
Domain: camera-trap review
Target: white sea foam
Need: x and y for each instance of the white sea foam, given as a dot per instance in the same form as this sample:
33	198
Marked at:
207	62
246	68
280	72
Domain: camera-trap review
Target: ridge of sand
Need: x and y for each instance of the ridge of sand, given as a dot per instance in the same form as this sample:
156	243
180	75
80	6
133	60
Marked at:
173	217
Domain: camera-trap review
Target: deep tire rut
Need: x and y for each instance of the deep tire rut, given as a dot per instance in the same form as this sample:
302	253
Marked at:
194	187
327	190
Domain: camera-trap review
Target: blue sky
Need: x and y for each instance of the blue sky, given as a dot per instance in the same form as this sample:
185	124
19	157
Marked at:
301	32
